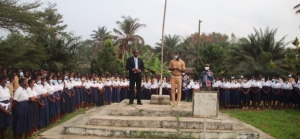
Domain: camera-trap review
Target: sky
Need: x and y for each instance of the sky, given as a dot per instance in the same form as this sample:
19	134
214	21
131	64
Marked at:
182	16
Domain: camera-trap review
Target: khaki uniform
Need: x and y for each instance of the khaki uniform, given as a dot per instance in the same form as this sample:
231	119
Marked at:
176	78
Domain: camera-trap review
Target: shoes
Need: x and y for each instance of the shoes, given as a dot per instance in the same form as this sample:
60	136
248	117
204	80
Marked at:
140	103
178	104
130	102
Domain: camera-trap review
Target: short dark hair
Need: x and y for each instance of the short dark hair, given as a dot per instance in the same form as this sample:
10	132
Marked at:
21	81
178	52
3	77
30	81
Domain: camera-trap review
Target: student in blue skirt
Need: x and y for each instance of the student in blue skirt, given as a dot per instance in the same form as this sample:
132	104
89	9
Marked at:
45	95
266	92
5	106
286	92
107	86
146	90
100	95
142	88
116	90
296	93
21	117
33	107
225	93
245	93
275	96
73	93
51	99
124	89
235	93
76	88
190	91
154	87
256	87
82	91
168	87
87	87
68	94
95	91
59	88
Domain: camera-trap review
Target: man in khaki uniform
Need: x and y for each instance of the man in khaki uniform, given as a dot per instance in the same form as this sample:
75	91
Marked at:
177	66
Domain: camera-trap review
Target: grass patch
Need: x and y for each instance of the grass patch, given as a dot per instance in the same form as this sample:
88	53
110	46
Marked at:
66	118
177	119
281	124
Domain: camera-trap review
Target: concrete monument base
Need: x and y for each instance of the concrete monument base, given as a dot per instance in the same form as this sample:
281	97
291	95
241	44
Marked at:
205	104
160	99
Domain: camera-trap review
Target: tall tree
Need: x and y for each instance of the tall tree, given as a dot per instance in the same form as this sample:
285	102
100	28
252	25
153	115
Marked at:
99	36
127	34
171	45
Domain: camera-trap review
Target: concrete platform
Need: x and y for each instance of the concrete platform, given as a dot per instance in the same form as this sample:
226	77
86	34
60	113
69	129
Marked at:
121	120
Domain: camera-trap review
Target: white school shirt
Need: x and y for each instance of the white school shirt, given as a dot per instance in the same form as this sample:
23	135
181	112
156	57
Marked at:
147	85
61	86
67	84
226	85
4	93
266	83
21	95
217	84
123	83
87	84
38	88
287	86
235	85
100	85
296	85
245	85
196	86
115	83
190	86
276	85
50	88
73	83
154	86
31	92
167	85
256	84
94	84
107	83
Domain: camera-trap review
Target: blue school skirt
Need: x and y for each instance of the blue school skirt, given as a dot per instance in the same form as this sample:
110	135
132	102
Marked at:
108	95
57	102
100	99
68	101
275	97
256	97
245	97
5	121
43	113
147	94
21	119
235	97
124	94
225	96
33	113
88	97
153	91
190	94
72	100
77	95
286	96
95	93
266	96
115	95
52	108
83	95
295	96
63	97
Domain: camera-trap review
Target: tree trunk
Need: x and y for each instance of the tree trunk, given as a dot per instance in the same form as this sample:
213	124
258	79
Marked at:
123	52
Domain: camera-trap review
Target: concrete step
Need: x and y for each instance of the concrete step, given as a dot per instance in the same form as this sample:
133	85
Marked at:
130	132
160	122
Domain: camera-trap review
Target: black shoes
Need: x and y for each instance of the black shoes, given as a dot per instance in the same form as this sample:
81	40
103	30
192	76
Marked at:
140	103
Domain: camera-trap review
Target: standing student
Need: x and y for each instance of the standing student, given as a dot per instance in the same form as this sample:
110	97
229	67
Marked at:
33	106
51	98
82	90
5	106
225	93
296	93
184	89
190	91
100	95
76	88
73	93
147	88
216	87
59	88
11	83
21	119
275	96
87	87
196	86
116	90
124	89
235	93
68	94
154	87
143	83
108	92
95	91
38	88
266	92
245	93
256	87
286	92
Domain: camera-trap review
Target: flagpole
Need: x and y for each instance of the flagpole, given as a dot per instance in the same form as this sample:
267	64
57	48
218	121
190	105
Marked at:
162	50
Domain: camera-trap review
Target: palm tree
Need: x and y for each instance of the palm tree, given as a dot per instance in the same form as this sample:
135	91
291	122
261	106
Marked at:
255	54
296	7
100	35
171	45
126	34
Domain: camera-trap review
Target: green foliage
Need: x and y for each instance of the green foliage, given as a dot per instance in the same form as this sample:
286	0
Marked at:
107	61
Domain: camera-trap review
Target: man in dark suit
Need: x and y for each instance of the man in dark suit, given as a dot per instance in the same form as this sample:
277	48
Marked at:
135	66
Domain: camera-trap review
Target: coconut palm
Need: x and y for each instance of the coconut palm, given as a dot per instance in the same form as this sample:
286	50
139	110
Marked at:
126	34
255	54
100	35
171	45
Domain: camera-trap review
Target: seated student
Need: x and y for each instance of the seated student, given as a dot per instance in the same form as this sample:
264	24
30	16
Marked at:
275	95
5	106
21	117
154	87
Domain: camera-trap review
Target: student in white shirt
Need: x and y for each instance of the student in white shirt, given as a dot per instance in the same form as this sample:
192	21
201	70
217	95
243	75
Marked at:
217	84
72	91
115	90
88	96
5	106
100	90
33	106
108	91
190	91
256	87
266	92
95	91
297	93
245	93
225	99
275	96
235	94
51	99
68	94
154	87
21	117
59	89
286	92
167	87
124	89
146	90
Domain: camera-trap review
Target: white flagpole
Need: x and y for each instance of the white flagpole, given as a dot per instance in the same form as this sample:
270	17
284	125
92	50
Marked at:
162	50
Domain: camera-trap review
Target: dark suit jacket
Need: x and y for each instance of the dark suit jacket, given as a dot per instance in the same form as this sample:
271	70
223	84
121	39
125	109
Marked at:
130	65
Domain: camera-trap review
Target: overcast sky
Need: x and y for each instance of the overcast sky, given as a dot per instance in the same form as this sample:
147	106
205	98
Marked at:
224	16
